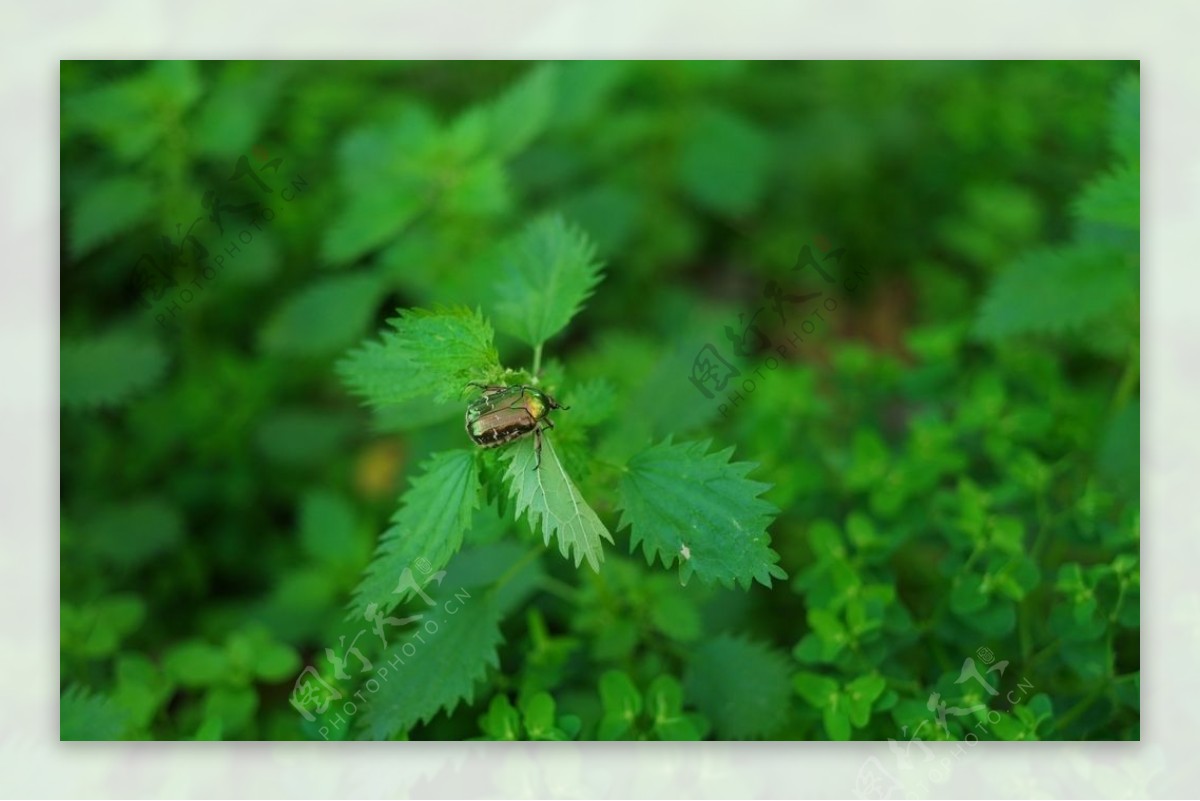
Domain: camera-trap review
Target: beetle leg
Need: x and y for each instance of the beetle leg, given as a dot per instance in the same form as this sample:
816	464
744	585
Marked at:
537	436
487	388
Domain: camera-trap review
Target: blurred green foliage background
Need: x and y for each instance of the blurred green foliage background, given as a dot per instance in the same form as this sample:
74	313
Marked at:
954	450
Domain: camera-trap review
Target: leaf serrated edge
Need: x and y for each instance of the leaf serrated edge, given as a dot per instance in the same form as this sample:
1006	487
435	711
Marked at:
763	574
388	544
572	547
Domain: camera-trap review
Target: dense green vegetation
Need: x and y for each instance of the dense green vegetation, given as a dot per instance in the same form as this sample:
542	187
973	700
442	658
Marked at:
850	354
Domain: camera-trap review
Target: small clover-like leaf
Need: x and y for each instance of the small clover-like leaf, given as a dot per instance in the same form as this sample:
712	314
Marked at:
501	721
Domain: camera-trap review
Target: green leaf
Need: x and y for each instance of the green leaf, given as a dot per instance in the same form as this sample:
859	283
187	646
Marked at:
724	162
743	686
86	716
860	695
234	707
429	525
837	720
622	704
443	670
304	436
1056	290
519	115
1126	120
129	115
253	651
107	208
967	595
619	695
538	715
324	317
390	175
142	689
552	500
230	118
1114	199
700	511
429	354
501	721
96	629
664	699
327	527
674	615
1118	458
818	690
546	274
108	369
194	663
127	535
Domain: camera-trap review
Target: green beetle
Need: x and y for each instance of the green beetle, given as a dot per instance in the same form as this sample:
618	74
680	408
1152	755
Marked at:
504	414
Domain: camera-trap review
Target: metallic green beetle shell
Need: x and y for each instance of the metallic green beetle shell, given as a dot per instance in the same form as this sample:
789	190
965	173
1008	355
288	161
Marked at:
503	414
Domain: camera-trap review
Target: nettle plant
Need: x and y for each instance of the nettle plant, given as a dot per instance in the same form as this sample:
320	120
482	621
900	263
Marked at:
691	509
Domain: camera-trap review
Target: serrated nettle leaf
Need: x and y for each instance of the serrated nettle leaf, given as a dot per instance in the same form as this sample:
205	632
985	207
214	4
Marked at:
107	208
88	716
743	686
724	162
461	635
109	369
1114	199
1126	119
129	534
327	527
553	503
429	526
546	274
386	172
699	510
1056	290
522	112
428	354
324	317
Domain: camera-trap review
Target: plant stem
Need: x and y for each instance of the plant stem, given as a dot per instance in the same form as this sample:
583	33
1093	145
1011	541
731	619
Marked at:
517	567
1128	379
1074	712
537	359
560	589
